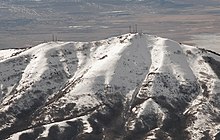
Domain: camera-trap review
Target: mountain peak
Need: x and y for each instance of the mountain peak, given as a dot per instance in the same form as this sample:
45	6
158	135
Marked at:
133	86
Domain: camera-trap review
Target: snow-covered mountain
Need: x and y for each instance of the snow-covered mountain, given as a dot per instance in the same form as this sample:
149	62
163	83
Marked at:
131	87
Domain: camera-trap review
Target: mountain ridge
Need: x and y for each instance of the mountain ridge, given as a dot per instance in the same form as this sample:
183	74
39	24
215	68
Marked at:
133	86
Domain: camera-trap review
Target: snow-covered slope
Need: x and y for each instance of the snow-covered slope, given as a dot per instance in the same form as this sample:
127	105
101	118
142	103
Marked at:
133	86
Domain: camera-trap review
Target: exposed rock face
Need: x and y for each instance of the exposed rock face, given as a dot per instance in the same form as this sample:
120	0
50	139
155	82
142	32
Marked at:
134	86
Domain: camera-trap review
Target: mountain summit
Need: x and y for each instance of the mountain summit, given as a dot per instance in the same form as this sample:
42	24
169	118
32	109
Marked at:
130	87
